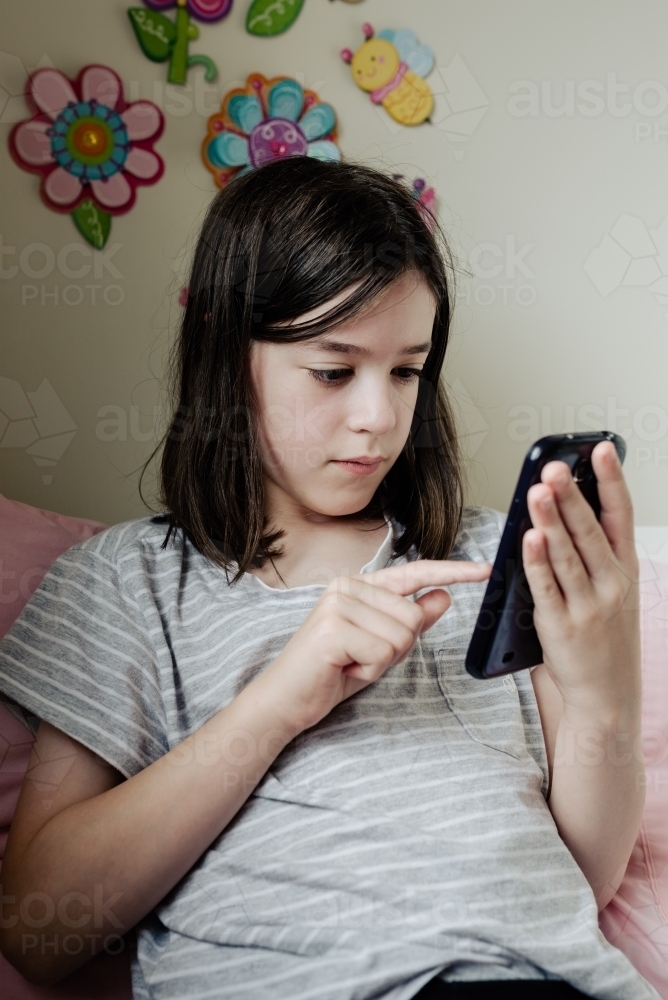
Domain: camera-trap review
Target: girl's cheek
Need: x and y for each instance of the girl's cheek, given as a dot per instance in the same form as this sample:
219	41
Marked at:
302	423
405	406
318	422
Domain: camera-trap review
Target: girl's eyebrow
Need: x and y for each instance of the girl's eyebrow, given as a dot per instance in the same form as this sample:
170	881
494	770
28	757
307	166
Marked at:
340	348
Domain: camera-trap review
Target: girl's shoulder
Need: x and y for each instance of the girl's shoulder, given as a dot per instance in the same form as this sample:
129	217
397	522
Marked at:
119	564
123	540
131	549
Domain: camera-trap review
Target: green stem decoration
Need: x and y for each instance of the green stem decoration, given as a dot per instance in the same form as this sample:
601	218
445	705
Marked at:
210	71
178	62
162	39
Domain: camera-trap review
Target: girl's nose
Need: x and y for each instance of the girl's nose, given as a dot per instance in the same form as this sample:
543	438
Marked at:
372	408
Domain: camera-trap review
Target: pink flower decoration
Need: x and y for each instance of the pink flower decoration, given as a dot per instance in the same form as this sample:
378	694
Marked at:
425	199
86	141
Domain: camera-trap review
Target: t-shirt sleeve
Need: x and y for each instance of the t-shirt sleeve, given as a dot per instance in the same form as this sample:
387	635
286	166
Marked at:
80	657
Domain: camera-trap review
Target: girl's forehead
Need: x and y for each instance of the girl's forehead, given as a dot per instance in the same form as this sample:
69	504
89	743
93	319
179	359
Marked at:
410	284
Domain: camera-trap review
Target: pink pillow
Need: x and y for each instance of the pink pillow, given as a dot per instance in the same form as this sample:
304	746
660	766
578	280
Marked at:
15	745
30	540
636	918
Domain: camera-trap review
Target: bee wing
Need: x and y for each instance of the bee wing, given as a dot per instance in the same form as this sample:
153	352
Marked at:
418	58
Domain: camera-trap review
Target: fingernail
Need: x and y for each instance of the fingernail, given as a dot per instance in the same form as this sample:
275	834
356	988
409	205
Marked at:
545	502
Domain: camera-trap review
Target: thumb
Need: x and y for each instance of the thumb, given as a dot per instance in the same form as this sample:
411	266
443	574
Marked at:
434	604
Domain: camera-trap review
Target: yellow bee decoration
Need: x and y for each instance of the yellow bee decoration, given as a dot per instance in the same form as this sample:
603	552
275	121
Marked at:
390	67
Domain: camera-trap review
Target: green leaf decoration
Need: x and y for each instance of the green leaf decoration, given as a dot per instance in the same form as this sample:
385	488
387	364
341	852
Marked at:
93	224
271	17
155	33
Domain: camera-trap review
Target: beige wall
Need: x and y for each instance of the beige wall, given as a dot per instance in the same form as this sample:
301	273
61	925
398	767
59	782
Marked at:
562	319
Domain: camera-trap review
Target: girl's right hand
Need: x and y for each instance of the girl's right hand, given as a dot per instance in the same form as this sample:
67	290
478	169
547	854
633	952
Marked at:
361	625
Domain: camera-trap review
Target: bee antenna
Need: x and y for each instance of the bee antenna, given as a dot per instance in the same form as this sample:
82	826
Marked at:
367	29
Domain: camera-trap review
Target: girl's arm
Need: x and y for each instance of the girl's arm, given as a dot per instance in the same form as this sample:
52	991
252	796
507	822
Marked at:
107	851
597	783
584	579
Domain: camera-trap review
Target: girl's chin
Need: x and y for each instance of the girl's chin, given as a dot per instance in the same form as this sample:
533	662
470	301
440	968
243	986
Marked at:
320	508
323	493
325	510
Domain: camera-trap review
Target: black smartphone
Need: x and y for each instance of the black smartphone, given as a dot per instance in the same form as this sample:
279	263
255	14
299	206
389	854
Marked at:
504	638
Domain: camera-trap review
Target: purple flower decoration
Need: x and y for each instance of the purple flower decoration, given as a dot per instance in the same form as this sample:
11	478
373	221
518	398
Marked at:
203	10
267	120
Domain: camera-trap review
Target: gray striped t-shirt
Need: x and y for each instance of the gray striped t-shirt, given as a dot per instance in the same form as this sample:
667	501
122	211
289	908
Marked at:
404	836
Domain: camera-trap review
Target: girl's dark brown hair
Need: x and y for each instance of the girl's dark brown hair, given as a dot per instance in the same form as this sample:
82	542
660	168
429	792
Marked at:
277	242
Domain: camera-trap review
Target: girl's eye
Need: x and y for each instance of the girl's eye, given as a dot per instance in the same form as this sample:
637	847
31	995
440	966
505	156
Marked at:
331	376
407	374
323	375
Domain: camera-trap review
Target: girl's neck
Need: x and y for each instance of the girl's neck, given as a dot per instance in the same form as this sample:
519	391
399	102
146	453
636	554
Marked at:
317	549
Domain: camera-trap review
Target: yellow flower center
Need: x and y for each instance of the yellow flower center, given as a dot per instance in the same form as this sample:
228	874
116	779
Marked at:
89	139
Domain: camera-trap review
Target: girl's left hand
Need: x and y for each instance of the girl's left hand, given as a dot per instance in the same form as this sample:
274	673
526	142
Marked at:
583	577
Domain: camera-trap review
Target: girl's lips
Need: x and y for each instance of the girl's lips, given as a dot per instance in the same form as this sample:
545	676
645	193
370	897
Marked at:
359	468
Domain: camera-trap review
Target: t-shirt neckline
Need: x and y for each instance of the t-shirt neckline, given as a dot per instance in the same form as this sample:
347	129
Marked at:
379	561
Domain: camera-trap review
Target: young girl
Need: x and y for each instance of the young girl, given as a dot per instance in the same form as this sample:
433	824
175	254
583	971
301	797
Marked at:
269	757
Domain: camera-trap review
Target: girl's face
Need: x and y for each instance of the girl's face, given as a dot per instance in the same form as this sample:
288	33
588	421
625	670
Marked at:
347	394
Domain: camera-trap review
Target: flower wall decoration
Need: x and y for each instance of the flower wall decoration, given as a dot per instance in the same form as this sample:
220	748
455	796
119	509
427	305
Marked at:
266	120
91	148
424	197
162	39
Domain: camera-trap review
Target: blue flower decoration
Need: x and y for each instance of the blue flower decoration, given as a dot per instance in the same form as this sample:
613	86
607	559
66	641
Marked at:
266	121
